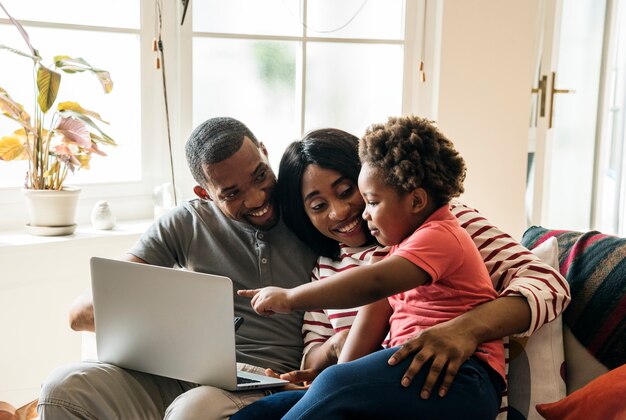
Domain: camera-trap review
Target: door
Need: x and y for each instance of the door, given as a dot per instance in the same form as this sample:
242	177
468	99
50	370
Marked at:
564	114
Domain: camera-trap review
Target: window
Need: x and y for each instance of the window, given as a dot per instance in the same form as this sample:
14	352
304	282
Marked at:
611	190
109	35
284	67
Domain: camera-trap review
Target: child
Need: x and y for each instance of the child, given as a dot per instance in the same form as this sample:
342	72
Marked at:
410	172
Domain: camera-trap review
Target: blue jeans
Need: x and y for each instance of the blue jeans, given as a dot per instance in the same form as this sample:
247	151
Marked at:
369	388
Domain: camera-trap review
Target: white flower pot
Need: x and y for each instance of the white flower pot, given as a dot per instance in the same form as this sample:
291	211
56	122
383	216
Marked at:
52	212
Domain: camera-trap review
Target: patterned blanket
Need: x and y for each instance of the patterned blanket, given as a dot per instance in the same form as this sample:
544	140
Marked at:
594	265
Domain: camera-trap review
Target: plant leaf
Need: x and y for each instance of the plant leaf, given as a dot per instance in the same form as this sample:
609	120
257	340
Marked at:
104	139
18	52
75	106
14	110
105	80
48	83
76	65
12	148
74	131
21	30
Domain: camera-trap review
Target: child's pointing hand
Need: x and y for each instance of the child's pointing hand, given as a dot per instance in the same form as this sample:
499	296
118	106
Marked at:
268	300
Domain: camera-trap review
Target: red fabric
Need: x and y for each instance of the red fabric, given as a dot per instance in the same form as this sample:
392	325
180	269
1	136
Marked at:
603	398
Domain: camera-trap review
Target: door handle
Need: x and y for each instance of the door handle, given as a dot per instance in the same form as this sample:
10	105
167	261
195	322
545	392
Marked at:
541	90
554	91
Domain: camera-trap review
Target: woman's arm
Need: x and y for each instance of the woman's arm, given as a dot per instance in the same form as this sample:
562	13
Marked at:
81	312
368	331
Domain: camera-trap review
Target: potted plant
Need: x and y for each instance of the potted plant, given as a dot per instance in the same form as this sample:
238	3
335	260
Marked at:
55	141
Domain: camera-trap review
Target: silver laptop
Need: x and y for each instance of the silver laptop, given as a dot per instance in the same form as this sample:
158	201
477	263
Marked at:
168	322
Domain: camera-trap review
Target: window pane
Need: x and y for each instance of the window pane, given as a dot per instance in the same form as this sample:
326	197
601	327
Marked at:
381	19
252	81
268	17
121	108
347	89
112	13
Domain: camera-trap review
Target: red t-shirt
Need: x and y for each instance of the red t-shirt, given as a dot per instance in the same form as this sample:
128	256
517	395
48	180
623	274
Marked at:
459	282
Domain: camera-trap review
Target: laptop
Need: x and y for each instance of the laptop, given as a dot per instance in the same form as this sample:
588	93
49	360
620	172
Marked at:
168	322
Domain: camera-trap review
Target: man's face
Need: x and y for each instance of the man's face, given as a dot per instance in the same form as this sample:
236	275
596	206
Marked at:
242	186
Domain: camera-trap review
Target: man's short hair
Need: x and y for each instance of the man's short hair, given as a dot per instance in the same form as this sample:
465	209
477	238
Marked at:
213	141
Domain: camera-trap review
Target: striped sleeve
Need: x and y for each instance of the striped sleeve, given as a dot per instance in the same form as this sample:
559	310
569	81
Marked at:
514	270
316	327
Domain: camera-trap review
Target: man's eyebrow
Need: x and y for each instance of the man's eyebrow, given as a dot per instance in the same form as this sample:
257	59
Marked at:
334	184
258	169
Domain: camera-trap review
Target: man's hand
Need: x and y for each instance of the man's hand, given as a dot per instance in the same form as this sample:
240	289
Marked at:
448	347
269	300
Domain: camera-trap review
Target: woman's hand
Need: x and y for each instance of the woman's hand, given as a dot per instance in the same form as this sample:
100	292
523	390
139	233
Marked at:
448	347
268	300
299	379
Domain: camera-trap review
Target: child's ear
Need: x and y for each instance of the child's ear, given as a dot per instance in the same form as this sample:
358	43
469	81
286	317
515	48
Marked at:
420	199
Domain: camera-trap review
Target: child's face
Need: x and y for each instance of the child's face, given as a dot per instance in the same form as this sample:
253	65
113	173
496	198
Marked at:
389	215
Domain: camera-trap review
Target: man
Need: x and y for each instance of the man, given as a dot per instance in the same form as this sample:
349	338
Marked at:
233	230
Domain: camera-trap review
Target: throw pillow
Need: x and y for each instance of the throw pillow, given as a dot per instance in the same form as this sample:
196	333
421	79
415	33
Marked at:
603	398
594	265
536	363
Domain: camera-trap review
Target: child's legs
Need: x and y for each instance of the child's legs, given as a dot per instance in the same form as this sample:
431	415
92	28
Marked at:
272	407
370	388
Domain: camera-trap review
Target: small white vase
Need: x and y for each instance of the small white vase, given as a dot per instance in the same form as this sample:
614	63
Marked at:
52	208
102	217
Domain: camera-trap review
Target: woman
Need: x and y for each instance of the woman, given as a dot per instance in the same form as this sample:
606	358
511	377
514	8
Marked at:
322	205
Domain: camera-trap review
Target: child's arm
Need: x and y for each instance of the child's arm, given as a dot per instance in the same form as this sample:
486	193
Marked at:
348	289
368	331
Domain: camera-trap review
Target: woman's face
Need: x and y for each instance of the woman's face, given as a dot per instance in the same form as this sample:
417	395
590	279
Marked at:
334	205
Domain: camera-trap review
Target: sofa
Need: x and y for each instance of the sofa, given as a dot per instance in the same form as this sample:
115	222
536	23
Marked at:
574	367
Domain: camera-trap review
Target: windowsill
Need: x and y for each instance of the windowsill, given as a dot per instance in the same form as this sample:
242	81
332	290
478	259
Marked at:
21	237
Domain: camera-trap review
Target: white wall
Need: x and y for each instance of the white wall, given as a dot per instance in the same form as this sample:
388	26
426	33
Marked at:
486	60
39	280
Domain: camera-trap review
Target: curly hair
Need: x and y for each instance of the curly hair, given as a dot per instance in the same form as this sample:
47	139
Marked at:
328	148
411	152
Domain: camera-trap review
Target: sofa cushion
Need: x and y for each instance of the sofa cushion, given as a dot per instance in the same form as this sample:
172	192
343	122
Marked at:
594	265
602	398
536	362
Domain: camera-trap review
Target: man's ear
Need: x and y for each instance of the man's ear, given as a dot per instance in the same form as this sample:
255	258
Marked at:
202	193
263	149
420	199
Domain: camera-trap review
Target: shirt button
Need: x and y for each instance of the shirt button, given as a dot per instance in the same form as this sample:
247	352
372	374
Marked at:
264	260
261	236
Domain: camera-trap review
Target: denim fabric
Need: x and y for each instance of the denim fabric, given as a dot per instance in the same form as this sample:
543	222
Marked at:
369	388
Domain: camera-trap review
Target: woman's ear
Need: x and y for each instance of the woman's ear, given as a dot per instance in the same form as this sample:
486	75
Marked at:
201	193
420	199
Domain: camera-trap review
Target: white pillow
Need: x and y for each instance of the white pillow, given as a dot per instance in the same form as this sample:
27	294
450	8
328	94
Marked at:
536	363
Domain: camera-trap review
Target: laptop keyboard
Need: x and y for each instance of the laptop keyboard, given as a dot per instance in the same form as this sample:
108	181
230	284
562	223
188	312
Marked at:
241	380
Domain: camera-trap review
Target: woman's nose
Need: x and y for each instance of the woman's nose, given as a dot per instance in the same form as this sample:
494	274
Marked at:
340	210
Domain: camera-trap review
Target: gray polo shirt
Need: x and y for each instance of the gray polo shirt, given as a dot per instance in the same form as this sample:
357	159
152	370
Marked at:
197	236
